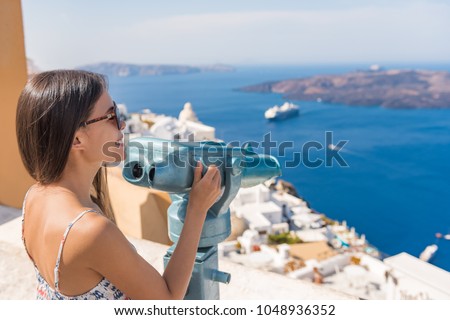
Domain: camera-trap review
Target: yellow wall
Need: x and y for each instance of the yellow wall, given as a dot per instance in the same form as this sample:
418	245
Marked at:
140	212
14	180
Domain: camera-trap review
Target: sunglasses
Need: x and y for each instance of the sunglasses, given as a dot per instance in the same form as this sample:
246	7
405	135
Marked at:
113	114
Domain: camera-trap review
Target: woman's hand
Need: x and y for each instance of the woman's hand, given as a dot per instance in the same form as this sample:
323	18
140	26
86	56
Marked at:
204	191
145	282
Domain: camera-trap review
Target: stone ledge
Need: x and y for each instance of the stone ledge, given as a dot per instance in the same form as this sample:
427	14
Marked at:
17	279
8	214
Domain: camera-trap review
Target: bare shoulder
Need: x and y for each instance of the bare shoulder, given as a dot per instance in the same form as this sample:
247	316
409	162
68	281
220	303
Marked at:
107	251
94	225
97	234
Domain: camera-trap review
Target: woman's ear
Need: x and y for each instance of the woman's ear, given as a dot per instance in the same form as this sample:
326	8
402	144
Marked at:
77	143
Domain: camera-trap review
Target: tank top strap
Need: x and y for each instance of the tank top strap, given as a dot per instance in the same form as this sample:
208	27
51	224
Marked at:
61	246
23	225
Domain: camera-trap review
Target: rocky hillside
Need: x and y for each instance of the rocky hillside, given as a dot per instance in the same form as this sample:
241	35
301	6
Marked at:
389	88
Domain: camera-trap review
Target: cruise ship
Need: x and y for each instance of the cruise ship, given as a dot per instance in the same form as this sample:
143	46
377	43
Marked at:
287	110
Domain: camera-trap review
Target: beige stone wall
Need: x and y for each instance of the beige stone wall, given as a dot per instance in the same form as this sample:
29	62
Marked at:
140	212
14	180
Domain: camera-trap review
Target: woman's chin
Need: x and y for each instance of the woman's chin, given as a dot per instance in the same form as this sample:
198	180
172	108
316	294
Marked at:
115	153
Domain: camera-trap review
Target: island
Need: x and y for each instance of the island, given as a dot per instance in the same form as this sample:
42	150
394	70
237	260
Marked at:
407	89
127	69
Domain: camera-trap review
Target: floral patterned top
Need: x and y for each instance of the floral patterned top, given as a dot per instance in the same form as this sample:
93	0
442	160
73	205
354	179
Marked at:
104	290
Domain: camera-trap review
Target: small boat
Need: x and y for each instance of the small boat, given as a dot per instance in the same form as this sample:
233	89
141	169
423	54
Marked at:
428	253
440	236
334	147
287	110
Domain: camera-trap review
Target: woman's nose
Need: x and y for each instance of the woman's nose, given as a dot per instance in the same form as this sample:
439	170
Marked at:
122	125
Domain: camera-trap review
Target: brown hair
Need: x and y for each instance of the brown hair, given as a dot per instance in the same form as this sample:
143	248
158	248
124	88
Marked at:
49	112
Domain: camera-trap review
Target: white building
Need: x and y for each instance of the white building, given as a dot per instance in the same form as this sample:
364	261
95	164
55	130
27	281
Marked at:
255	206
187	114
411	278
187	127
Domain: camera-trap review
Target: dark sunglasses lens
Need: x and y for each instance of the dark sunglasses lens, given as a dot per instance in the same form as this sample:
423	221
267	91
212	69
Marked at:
117	115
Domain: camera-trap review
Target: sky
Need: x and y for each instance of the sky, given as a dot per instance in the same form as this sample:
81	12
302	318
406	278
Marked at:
69	33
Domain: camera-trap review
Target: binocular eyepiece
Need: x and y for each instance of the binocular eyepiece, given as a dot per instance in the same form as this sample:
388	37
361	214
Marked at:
137	171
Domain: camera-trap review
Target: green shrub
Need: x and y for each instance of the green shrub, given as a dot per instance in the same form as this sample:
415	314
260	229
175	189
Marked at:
285	237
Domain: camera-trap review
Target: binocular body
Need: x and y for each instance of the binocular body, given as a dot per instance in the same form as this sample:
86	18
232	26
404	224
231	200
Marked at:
169	166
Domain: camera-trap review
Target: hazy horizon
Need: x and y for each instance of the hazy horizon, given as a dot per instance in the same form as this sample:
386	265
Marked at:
304	64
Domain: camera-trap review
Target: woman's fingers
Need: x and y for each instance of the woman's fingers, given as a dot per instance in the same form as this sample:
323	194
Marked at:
211	173
219	181
206	189
216	178
198	172
212	170
212	177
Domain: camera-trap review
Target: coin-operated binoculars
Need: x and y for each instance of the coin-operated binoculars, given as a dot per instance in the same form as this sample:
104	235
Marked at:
169	166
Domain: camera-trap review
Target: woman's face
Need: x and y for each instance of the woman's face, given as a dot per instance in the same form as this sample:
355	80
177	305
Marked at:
104	139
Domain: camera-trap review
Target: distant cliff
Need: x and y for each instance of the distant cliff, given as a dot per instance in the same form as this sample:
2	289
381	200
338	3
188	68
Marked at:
126	69
390	88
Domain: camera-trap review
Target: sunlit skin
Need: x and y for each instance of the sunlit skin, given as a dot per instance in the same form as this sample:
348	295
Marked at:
95	247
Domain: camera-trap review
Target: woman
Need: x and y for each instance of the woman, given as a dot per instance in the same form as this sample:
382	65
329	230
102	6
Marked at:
64	120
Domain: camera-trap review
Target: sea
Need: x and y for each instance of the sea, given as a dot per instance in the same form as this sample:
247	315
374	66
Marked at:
389	178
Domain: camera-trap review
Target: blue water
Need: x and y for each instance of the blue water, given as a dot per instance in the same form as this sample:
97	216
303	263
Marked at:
396	187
